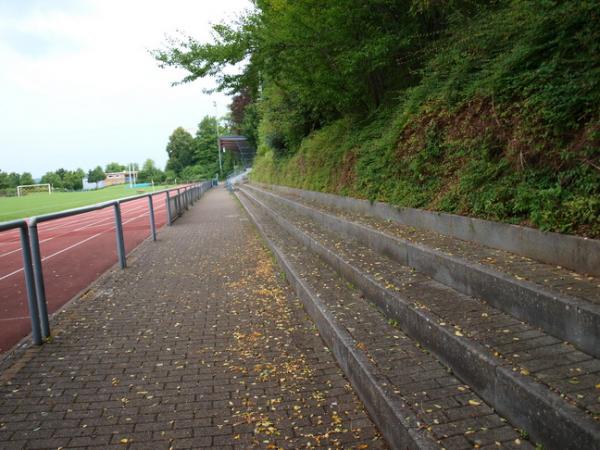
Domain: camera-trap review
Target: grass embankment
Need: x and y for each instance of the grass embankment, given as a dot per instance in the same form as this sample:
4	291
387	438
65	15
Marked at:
42	203
504	124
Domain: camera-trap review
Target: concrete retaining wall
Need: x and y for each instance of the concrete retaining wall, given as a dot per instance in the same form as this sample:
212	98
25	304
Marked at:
576	253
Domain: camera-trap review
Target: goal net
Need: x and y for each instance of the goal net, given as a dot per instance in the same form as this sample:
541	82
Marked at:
25	189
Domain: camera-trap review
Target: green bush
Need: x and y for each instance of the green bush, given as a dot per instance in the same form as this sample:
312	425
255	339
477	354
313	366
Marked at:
503	124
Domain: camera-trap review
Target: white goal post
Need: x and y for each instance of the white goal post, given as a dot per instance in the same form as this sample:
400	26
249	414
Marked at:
20	188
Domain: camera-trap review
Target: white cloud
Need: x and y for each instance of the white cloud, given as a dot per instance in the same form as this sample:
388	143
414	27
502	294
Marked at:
78	87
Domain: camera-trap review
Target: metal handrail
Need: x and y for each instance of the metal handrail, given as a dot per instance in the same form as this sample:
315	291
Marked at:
32	300
30	244
84	209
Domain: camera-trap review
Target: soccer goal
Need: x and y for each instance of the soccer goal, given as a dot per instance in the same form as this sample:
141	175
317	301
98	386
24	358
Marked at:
25	189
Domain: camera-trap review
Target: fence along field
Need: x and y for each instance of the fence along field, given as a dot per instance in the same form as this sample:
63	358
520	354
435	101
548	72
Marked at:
74	249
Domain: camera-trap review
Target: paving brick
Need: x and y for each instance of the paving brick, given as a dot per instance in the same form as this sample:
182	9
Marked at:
407	370
191	347
518	343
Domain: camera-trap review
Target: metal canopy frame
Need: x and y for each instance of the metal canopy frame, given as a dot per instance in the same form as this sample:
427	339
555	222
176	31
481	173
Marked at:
240	145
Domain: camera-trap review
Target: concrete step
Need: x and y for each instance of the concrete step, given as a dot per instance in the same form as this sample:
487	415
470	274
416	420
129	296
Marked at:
540	383
563	303
576	253
414	399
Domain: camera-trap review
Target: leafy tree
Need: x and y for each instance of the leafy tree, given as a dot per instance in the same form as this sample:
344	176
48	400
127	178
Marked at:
150	172
170	176
73	180
96	175
65	179
180	150
53	179
4	181
114	167
326	59
14	179
206	151
193	173
26	178
244	117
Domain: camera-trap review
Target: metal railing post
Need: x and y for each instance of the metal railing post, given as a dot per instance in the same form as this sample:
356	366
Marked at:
36	334
119	235
152	224
38	274
169	217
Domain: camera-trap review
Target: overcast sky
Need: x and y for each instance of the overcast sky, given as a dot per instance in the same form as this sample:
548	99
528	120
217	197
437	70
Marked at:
79	89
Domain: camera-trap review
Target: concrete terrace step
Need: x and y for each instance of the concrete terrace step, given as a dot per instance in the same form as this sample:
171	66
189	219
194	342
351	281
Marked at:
579	254
198	344
413	397
563	303
541	384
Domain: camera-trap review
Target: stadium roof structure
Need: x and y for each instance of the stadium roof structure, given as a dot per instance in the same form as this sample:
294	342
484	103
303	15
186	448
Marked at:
240	145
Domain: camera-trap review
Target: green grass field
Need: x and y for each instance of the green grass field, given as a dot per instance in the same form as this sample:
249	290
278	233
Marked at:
42	203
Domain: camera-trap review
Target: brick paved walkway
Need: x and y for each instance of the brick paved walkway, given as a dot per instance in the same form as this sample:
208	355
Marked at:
198	343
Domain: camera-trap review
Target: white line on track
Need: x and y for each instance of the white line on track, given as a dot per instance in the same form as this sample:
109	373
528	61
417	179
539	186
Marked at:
19	249
102	214
98	223
65	225
58	223
76	244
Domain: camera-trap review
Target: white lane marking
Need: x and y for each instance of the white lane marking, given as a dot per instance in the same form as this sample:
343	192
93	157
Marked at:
60	223
74	245
100	214
19	249
98	223
12	273
65	222
57	253
89	225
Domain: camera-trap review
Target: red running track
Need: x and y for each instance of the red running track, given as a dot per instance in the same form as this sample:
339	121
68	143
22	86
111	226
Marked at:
75	251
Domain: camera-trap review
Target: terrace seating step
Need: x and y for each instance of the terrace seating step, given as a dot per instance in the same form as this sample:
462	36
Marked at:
540	383
414	398
565	304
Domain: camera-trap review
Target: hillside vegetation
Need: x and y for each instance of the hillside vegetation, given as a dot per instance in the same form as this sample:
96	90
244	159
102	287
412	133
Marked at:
488	109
